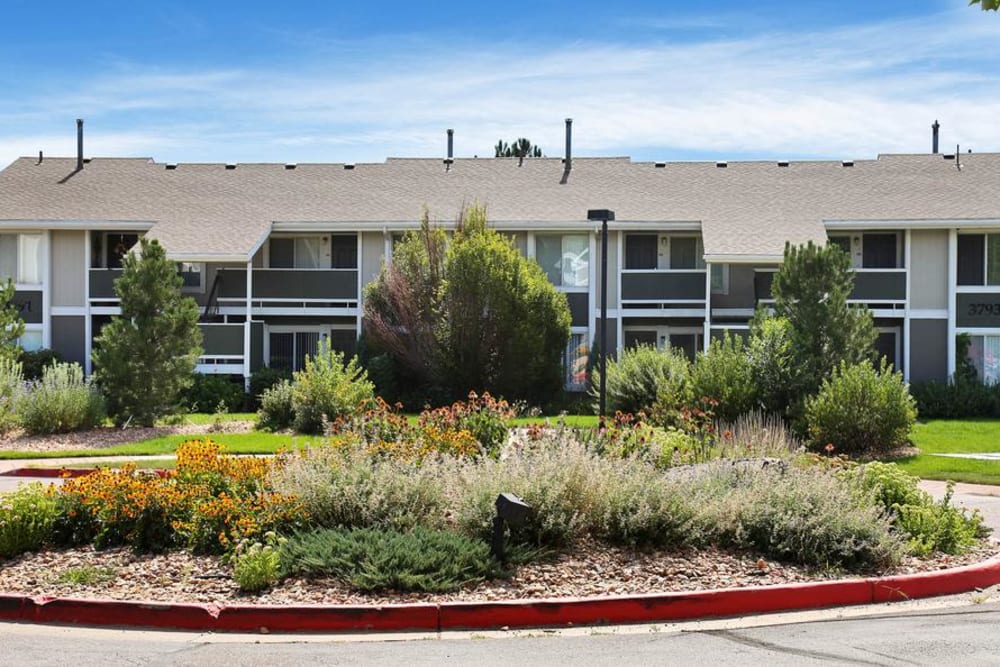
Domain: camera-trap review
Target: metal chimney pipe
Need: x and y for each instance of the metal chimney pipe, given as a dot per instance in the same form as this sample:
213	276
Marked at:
79	144
934	143
451	144
569	144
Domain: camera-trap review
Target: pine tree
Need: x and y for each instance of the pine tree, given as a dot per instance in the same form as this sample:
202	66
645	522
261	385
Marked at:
144	358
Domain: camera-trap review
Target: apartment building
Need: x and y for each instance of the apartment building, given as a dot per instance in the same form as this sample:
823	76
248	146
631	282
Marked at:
277	255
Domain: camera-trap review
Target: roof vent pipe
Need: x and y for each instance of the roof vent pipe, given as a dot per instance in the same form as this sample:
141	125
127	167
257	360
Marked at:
40	156
451	143
934	133
568	161
79	144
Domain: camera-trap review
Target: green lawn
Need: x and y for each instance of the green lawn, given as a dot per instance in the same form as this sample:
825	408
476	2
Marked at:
955	436
236	443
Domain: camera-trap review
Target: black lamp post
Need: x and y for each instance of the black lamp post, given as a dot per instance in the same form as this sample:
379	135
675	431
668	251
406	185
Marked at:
604	215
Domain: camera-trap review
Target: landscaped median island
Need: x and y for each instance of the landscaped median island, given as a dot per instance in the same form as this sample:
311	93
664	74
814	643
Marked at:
391	510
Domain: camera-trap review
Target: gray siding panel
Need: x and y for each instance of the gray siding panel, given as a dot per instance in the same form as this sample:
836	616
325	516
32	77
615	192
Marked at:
978	310
929	269
741	288
663	286
68	264
221	339
292	284
879	286
928	350
68	338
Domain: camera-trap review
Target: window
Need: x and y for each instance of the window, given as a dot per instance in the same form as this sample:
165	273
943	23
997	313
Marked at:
344	249
684	252
979	259
289	349
21	258
984	353
30	341
842	242
117	246
564	258
640	251
720	278
193	274
303	252
575	362
870	250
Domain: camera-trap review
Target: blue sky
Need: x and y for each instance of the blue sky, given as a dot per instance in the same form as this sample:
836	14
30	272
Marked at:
358	82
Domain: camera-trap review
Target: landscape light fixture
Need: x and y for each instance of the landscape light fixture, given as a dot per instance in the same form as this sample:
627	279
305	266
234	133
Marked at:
604	215
510	510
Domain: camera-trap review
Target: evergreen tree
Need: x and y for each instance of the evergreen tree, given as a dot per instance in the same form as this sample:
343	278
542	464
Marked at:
144	358
11	324
472	314
810	291
520	148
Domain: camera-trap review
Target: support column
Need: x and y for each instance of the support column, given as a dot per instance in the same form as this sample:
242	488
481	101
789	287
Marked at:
907	244
246	326
707	336
952	285
88	320
360	285
46	289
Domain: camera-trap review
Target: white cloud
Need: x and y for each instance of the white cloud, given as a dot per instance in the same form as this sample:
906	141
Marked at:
848	92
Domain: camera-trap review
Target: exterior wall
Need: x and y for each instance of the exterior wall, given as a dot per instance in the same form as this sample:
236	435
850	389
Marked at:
69	337
69	262
928	350
741	288
520	241
612	335
372	250
928	269
614	239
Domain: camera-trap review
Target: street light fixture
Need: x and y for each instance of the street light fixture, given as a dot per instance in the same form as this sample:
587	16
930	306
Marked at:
604	215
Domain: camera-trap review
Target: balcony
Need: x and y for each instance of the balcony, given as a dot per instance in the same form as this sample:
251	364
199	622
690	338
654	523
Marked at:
102	284
656	287
291	285
222	348
873	286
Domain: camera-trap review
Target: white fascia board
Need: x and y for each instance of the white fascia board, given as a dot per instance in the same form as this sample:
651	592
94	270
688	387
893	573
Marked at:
744	259
503	225
208	257
259	242
129	225
937	223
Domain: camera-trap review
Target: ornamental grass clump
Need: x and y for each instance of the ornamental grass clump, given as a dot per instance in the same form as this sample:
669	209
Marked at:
61	401
11	389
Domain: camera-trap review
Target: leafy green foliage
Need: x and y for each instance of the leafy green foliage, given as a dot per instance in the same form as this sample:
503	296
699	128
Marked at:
11	389
861	409
257	564
263	379
986	5
769	349
208	393
276	411
60	402
27	516
960	399
422	560
641	376
929	526
726	374
810	290
11	324
146	357
472	314
328	388
34	363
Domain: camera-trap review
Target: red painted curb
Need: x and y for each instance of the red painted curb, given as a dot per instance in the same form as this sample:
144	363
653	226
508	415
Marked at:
656	607
485	615
319	618
65	473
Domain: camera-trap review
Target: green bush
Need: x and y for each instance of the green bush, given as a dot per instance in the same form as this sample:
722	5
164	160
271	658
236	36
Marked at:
11	389
61	401
34	362
27	516
276	411
257	565
726	374
961	399
643	376
861	410
208	393
769	349
328	388
928	526
263	379
421	560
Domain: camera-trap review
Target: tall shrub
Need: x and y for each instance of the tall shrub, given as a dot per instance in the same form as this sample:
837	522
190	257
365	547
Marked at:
11	324
145	357
725	373
861	409
327	388
469	314
641	376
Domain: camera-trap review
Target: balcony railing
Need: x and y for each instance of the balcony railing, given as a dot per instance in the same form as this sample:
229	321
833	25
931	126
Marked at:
875	286
222	348
102	284
663	286
291	285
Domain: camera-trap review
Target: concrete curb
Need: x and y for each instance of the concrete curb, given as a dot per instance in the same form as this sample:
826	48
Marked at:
430	617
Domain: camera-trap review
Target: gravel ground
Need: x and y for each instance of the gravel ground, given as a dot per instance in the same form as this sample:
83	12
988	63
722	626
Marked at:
101	438
590	570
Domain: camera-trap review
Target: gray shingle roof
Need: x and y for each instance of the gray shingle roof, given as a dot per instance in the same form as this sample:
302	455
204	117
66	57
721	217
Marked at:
746	208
